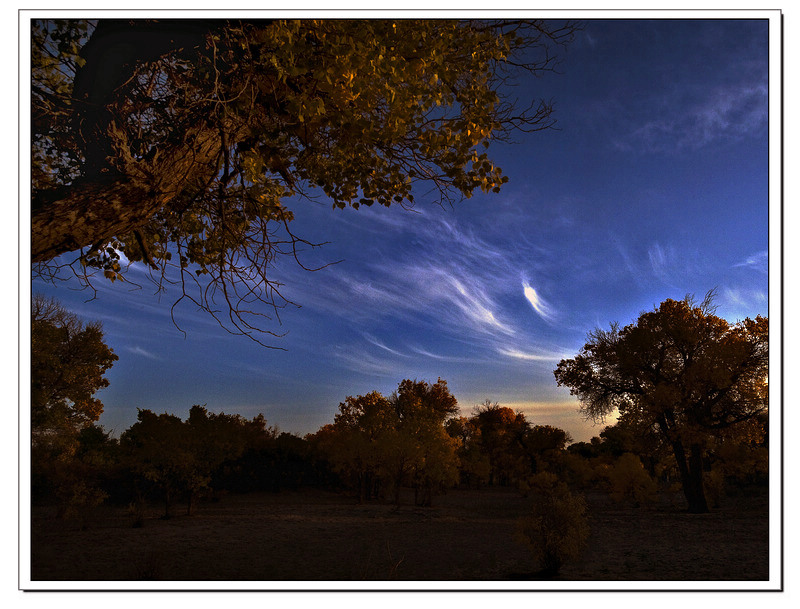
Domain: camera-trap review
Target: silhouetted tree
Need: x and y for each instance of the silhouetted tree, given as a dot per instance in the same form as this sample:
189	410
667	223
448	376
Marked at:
182	458
359	442
158	449
545	444
473	462
422	411
502	439
68	362
681	370
212	439
176	143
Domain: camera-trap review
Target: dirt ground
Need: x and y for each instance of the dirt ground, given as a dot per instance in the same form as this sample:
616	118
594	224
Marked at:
465	536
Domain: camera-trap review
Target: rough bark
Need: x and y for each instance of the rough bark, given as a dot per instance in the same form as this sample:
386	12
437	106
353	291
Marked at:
117	193
94	209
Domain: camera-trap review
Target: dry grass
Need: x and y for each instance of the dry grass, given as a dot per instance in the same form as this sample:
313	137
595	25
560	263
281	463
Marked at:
467	535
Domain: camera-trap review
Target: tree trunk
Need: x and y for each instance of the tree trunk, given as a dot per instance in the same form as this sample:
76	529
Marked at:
116	192
167	504
94	209
397	483
699	505
139	508
691	471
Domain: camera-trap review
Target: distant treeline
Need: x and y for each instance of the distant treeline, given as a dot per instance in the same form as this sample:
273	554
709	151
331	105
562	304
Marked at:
414	439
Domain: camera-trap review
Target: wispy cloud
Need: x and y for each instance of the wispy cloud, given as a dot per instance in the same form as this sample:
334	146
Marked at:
535	357
445	358
377	343
136	350
660	261
536	301
744	298
628	261
758	262
460	284
364	362
658	258
674	267
728	112
474	302
450	277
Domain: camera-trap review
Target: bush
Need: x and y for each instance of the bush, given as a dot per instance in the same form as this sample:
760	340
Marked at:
743	464
78	500
629	481
557	528
579	471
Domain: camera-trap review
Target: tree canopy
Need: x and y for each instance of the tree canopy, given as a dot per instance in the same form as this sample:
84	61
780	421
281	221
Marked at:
68	362
382	444
180	457
178	143
682	371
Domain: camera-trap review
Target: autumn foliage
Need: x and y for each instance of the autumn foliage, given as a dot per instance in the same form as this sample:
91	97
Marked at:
215	129
682	372
378	444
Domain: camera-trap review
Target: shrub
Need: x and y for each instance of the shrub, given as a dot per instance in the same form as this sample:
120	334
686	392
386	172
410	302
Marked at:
629	481
78	500
579	472
556	528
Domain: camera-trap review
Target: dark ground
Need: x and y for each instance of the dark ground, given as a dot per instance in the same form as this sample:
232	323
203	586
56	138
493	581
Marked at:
467	535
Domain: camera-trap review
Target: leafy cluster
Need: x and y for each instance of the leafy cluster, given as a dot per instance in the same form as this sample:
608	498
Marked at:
179	457
68	362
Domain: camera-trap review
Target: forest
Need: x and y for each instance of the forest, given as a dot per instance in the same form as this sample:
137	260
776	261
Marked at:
416	447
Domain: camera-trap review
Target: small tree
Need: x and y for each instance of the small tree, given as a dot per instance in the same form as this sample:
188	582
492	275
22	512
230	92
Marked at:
502	439
358	443
473	463
180	458
556	529
545	445
68	363
157	450
422	412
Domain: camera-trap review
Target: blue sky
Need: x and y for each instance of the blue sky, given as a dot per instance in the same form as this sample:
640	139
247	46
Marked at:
655	185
